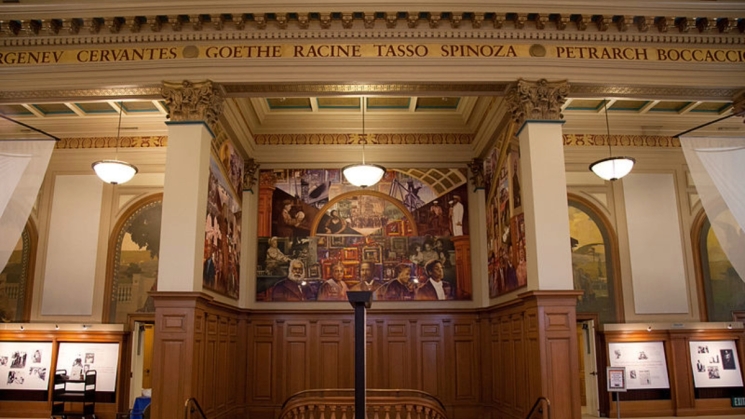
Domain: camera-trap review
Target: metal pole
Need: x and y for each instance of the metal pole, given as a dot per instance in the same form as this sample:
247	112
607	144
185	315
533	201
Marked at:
618	405
360	300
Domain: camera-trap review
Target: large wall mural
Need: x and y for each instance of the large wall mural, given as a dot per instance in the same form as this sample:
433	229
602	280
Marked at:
320	237
505	223
222	237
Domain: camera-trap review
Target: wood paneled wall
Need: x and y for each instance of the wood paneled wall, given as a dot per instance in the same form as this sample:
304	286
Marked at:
478	363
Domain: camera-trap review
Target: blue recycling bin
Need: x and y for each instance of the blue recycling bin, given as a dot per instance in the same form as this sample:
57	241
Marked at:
139	407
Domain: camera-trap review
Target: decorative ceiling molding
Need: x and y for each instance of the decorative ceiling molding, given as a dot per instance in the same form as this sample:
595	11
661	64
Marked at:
43	24
242	90
122	93
600	140
111	142
657	92
353	139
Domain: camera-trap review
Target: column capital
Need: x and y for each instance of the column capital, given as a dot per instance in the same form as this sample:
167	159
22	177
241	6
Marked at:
537	100
194	101
250	167
477	173
738	104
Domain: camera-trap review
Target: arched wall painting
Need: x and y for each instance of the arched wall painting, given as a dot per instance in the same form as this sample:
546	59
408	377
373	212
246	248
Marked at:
323	236
723	288
136	262
14	279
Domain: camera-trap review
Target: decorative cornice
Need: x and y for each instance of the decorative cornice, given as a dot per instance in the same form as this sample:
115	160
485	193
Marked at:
620	91
44	25
621	140
398	88
353	139
189	101
111	142
537	100
143	92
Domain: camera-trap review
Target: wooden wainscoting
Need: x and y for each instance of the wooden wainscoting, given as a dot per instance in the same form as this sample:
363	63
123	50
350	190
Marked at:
478	363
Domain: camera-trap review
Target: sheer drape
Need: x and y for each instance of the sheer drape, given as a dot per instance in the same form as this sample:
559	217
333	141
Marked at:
22	168
718	169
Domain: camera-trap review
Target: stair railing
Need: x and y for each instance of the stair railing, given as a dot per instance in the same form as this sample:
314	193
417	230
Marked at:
191	406
538	409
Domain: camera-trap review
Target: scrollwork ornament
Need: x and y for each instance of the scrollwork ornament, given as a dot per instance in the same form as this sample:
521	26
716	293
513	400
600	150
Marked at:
477	174
539	100
250	167
200	101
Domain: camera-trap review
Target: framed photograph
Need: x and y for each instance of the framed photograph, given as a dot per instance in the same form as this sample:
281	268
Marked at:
350	269
337	241
398	245
644	361
715	364
351	253
372	254
314	271
616	378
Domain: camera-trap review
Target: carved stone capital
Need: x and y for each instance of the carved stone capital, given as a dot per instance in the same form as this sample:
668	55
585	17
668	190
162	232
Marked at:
477	173
538	100
200	101
250	167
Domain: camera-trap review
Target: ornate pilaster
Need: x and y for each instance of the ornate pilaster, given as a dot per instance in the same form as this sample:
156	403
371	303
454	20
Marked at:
477	174
537	100
738	104
250	167
200	101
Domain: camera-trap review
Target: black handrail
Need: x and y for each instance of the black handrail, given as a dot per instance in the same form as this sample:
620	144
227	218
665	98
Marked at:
189	406
538	405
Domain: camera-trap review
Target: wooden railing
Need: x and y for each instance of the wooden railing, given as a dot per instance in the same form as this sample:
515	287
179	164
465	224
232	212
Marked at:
192	407
541	409
381	404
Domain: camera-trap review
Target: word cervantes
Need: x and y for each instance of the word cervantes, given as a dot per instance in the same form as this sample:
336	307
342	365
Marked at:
373	50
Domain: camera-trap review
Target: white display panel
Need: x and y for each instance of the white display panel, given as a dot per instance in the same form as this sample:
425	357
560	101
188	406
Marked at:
645	364
25	365
77	358
715	364
655	244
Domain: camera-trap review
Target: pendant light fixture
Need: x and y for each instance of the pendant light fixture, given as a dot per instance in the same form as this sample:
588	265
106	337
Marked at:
363	175
115	171
613	167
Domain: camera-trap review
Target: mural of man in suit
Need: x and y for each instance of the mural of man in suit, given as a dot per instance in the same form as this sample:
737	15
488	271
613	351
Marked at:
435	288
292	288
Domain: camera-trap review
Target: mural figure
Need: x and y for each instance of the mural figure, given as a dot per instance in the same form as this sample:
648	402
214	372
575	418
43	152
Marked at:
275	258
457	216
435	288
367	281
401	288
294	286
334	288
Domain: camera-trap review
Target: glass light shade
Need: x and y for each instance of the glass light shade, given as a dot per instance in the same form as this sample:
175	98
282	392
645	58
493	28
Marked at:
363	175
114	171
613	168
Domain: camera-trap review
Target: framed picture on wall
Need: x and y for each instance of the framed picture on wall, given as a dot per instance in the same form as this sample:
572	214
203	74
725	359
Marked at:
351	253
371	254
715	364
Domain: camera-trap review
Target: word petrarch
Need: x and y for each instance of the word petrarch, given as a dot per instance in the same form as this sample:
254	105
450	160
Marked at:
641	54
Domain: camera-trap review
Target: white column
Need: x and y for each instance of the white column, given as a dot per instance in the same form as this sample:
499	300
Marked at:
184	207
548	246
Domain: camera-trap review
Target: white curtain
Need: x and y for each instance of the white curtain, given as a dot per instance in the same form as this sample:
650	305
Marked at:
718	169
22	168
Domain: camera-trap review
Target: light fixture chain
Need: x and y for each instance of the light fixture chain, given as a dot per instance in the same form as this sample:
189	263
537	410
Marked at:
119	130
607	127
